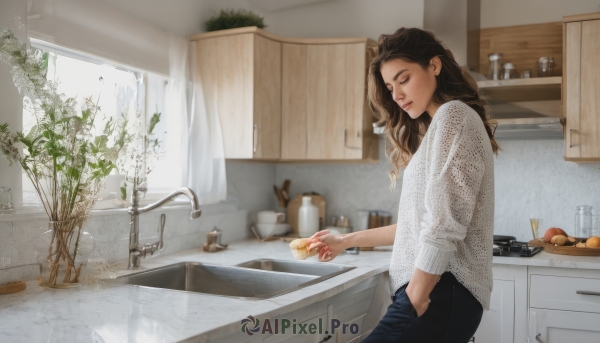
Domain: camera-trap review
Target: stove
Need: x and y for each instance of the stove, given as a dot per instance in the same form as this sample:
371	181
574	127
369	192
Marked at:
508	246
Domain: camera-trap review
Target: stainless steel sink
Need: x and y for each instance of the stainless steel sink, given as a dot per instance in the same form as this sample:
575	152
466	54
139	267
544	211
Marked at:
218	280
324	270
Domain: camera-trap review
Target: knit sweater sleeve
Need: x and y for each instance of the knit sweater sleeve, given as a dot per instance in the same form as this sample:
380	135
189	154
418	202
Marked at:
454	172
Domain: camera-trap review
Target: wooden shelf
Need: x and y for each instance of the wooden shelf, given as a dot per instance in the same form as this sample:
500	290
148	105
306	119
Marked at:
515	90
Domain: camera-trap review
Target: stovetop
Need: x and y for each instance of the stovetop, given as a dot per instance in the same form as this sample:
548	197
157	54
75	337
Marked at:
510	247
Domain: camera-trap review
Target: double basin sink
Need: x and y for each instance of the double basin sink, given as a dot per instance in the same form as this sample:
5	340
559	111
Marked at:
256	279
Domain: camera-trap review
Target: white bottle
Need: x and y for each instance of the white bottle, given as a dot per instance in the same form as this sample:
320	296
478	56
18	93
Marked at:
308	218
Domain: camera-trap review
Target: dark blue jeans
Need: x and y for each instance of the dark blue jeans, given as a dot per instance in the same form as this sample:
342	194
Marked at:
452	316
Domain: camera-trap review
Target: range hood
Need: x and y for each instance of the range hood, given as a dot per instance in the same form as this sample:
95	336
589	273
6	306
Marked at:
515	120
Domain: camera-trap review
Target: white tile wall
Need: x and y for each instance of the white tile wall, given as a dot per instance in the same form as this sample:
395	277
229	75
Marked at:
111	233
521	168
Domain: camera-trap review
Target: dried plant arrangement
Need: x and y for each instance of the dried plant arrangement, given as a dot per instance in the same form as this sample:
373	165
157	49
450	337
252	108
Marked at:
62	157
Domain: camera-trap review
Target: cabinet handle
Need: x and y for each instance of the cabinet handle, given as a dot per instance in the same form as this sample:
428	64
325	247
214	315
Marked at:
325	339
255	137
571	137
345	135
537	338
588	293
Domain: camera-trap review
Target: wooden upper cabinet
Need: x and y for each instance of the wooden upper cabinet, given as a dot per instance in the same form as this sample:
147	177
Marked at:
288	99
241	79
581	87
324	110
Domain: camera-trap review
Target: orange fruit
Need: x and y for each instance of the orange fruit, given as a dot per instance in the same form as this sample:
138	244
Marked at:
593	242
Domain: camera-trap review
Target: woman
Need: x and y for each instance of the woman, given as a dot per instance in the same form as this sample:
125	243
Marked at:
440	273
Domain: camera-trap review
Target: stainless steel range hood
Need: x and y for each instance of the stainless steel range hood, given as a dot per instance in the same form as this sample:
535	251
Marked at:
515	121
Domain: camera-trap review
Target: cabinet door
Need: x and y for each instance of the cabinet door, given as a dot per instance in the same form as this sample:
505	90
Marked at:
294	92
552	326
326	101
267	98
225	70
497	324
590	89
355	100
349	314
571	93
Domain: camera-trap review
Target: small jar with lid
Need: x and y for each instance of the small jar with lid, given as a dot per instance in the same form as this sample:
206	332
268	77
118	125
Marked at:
508	71
495	63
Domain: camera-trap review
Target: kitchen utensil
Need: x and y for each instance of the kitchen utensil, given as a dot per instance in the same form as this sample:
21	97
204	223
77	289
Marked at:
583	221
495	63
270	217
279	196
508	72
286	186
268	230
294	205
545	66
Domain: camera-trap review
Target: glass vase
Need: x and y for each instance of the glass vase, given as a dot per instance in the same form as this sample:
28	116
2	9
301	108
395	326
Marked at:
62	253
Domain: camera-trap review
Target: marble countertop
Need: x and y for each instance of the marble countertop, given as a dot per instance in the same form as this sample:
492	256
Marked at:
115	313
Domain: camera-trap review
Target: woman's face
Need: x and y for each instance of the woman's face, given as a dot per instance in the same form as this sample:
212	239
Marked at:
412	86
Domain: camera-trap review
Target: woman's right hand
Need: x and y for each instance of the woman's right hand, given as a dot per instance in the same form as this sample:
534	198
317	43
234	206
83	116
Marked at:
328	244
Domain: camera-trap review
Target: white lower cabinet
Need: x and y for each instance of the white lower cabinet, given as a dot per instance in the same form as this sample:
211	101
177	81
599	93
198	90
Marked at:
552	326
497	324
564	305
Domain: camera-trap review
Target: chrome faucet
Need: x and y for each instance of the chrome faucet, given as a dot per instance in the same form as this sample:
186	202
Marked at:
138	251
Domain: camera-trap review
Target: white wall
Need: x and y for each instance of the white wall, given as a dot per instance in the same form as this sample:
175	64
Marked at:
496	13
346	18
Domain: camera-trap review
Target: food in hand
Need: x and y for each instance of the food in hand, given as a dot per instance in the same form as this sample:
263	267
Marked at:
551	232
559	240
580	245
300	249
593	242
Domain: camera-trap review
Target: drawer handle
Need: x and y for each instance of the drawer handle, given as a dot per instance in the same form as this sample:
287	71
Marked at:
537	338
588	293
570	137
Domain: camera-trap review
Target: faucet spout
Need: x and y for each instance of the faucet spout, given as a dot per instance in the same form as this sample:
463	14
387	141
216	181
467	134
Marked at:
196	212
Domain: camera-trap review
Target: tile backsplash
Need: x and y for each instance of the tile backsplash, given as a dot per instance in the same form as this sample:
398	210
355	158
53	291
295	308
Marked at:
528	174
110	230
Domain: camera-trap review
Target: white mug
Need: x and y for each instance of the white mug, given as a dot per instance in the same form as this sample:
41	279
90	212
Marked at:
270	217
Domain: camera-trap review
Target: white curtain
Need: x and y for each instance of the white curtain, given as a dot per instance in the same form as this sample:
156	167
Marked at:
176	109
206	159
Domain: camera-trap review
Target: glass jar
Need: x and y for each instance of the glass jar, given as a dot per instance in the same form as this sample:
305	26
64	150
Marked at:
545	66
583	221
6	202
495	63
62	253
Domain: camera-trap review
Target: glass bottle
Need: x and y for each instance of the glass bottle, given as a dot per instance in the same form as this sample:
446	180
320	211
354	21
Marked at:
495	66
583	221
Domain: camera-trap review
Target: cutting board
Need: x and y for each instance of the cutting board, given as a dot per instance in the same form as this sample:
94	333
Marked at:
564	250
294	206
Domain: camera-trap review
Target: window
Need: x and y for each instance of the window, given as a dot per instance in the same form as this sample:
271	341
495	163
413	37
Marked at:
120	91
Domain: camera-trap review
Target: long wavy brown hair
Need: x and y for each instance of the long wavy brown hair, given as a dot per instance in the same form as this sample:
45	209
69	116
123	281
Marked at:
453	83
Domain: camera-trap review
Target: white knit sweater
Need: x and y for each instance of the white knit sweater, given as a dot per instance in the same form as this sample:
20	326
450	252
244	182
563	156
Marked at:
446	214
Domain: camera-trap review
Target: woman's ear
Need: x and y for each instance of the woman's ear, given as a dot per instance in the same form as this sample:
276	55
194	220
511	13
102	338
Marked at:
436	65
